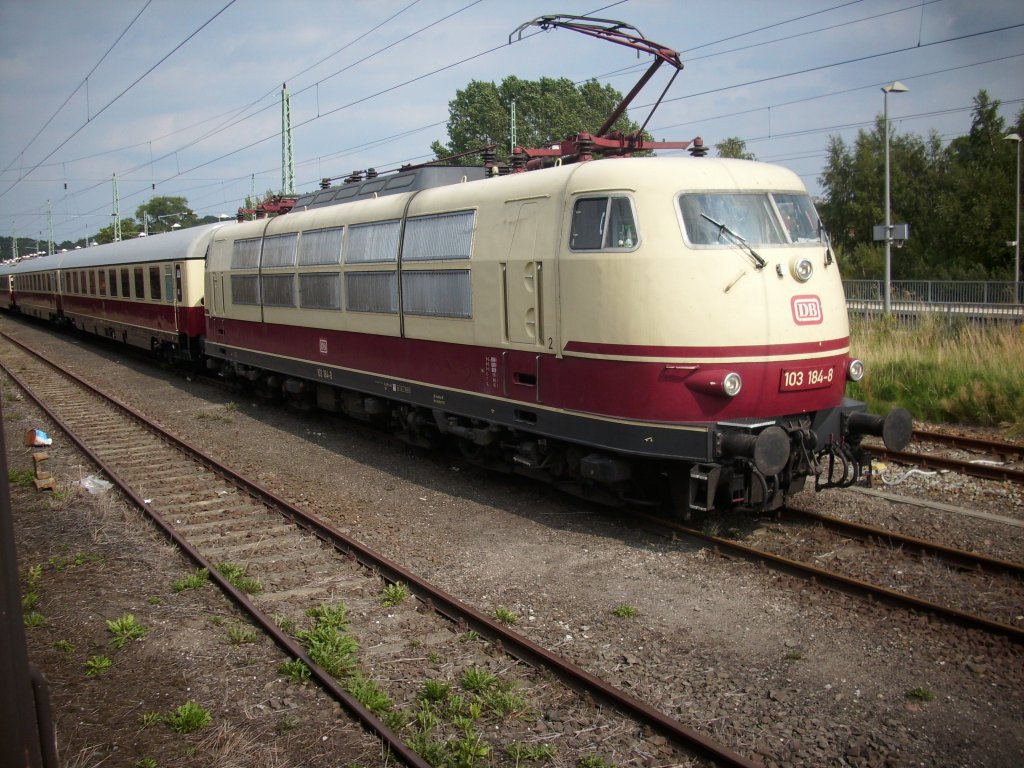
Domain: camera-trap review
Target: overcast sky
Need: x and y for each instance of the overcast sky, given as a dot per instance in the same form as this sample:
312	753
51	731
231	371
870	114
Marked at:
185	94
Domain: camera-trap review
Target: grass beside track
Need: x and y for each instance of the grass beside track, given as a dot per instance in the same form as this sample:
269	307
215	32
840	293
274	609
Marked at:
943	372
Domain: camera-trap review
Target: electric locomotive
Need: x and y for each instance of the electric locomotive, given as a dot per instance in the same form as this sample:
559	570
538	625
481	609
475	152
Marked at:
625	329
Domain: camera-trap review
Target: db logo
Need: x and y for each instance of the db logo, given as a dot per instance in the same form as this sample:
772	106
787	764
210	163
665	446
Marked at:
806	310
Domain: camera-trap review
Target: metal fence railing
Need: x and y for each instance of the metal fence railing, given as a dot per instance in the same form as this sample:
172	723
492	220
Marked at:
1002	299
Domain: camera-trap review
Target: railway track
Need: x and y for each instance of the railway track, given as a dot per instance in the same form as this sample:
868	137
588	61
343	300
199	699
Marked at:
858	587
216	516
981	469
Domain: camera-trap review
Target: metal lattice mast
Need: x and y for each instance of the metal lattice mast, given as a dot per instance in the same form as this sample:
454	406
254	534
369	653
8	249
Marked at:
287	160
117	213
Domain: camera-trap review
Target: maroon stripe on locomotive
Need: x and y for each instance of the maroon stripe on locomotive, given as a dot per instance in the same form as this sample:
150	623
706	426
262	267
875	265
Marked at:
633	390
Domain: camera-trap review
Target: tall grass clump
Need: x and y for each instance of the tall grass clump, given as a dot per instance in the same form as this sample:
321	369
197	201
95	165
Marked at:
943	371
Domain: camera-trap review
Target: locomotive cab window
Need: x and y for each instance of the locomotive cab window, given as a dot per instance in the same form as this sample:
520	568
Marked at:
603	224
758	218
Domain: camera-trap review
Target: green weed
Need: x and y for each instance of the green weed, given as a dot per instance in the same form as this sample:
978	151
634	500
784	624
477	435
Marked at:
393	594
235	574
196	580
124	629
188	717
505	616
920	694
97	665
22	478
296	670
624	611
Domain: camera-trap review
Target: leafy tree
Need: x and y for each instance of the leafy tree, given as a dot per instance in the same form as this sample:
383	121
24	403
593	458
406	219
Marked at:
734	147
547	110
129	229
165	211
954	198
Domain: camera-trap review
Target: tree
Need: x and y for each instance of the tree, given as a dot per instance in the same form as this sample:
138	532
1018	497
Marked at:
165	211
954	198
547	110
129	229
735	147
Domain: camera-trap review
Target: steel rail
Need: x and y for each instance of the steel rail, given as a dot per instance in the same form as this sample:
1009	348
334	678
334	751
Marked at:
981	444
434	598
958	557
983	471
838	582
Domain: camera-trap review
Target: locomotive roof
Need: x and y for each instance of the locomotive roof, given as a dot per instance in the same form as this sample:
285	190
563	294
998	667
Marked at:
178	244
403	181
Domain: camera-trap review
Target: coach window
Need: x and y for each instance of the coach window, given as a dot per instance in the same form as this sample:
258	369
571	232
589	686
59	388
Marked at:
103	281
603	224
154	283
140	283
92	282
168	283
74	282
113	282
126	286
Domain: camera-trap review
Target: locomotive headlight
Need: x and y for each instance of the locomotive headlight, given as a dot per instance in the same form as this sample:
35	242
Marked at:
856	370
802	269
732	384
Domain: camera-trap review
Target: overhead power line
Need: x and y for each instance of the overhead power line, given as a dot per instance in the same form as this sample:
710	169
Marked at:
78	87
118	97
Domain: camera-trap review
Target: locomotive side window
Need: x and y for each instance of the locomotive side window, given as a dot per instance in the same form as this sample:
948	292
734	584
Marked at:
245	289
603	223
371	292
437	293
279	250
377	242
321	246
154	283
278	290
140	284
245	254
320	290
439	237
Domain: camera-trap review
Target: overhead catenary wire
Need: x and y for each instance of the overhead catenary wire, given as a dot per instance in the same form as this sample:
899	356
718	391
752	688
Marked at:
118	97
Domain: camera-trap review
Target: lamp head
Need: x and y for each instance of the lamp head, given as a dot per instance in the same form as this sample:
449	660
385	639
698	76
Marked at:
1012	137
895	87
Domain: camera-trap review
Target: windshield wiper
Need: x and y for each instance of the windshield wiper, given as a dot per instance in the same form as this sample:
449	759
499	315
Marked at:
722	228
827	238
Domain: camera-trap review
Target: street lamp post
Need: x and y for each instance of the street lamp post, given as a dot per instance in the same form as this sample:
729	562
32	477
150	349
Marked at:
1016	233
893	87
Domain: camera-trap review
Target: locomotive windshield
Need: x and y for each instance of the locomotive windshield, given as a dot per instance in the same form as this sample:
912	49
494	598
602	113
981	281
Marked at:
759	218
